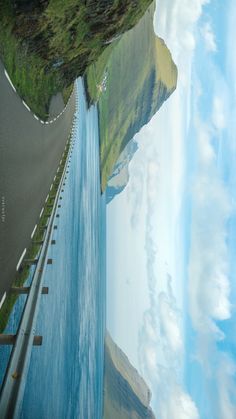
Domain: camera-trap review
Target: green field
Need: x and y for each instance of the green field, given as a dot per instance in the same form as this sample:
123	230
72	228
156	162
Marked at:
140	76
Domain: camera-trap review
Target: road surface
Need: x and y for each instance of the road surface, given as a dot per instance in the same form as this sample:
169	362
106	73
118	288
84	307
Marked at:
29	155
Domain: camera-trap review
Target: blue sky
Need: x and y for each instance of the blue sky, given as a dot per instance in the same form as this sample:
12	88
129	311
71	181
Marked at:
171	266
210	317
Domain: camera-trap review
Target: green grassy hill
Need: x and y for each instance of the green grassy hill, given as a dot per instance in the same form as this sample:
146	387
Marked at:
46	44
140	76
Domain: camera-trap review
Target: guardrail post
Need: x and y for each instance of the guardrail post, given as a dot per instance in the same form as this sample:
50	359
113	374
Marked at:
39	242
7	339
20	290
30	261
26	290
45	290
38	340
11	339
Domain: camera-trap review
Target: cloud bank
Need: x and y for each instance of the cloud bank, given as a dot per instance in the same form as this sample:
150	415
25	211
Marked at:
161	343
209	286
208	37
161	338
209	276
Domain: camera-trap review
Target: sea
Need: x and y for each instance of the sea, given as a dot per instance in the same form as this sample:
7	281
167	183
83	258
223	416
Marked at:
65	375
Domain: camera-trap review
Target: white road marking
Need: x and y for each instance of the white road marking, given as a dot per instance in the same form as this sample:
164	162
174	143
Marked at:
51	187
40	215
8	78
3	299
47	198
54	178
27	107
36	117
32	234
20	260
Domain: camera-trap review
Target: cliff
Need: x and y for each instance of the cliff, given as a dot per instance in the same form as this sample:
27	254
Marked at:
139	76
126	395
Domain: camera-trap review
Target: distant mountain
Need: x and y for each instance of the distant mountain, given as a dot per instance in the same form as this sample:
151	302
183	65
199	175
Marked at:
140	75
126	395
120	176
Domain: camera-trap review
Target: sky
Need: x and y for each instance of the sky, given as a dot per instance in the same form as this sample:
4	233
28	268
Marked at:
171	257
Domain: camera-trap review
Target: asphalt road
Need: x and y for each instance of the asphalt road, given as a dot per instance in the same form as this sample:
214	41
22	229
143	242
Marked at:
29	156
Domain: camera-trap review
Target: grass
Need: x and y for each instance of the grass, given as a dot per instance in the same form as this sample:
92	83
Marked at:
27	71
67	91
95	73
45	46
32	251
141	75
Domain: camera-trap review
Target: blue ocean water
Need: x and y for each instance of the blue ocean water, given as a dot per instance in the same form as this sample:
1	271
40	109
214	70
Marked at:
65	377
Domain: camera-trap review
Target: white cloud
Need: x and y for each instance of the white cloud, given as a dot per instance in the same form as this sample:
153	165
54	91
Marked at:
209	37
161	335
206	152
156	173
219	113
169	318
160	351
175	22
209	279
226	388
231	58
135	187
179	406
169	399
161	340
209	286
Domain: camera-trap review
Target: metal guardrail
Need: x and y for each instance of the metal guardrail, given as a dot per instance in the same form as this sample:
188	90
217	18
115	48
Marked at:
16	373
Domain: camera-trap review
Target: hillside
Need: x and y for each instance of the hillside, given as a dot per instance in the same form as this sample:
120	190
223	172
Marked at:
46	44
126	395
120	176
138	75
